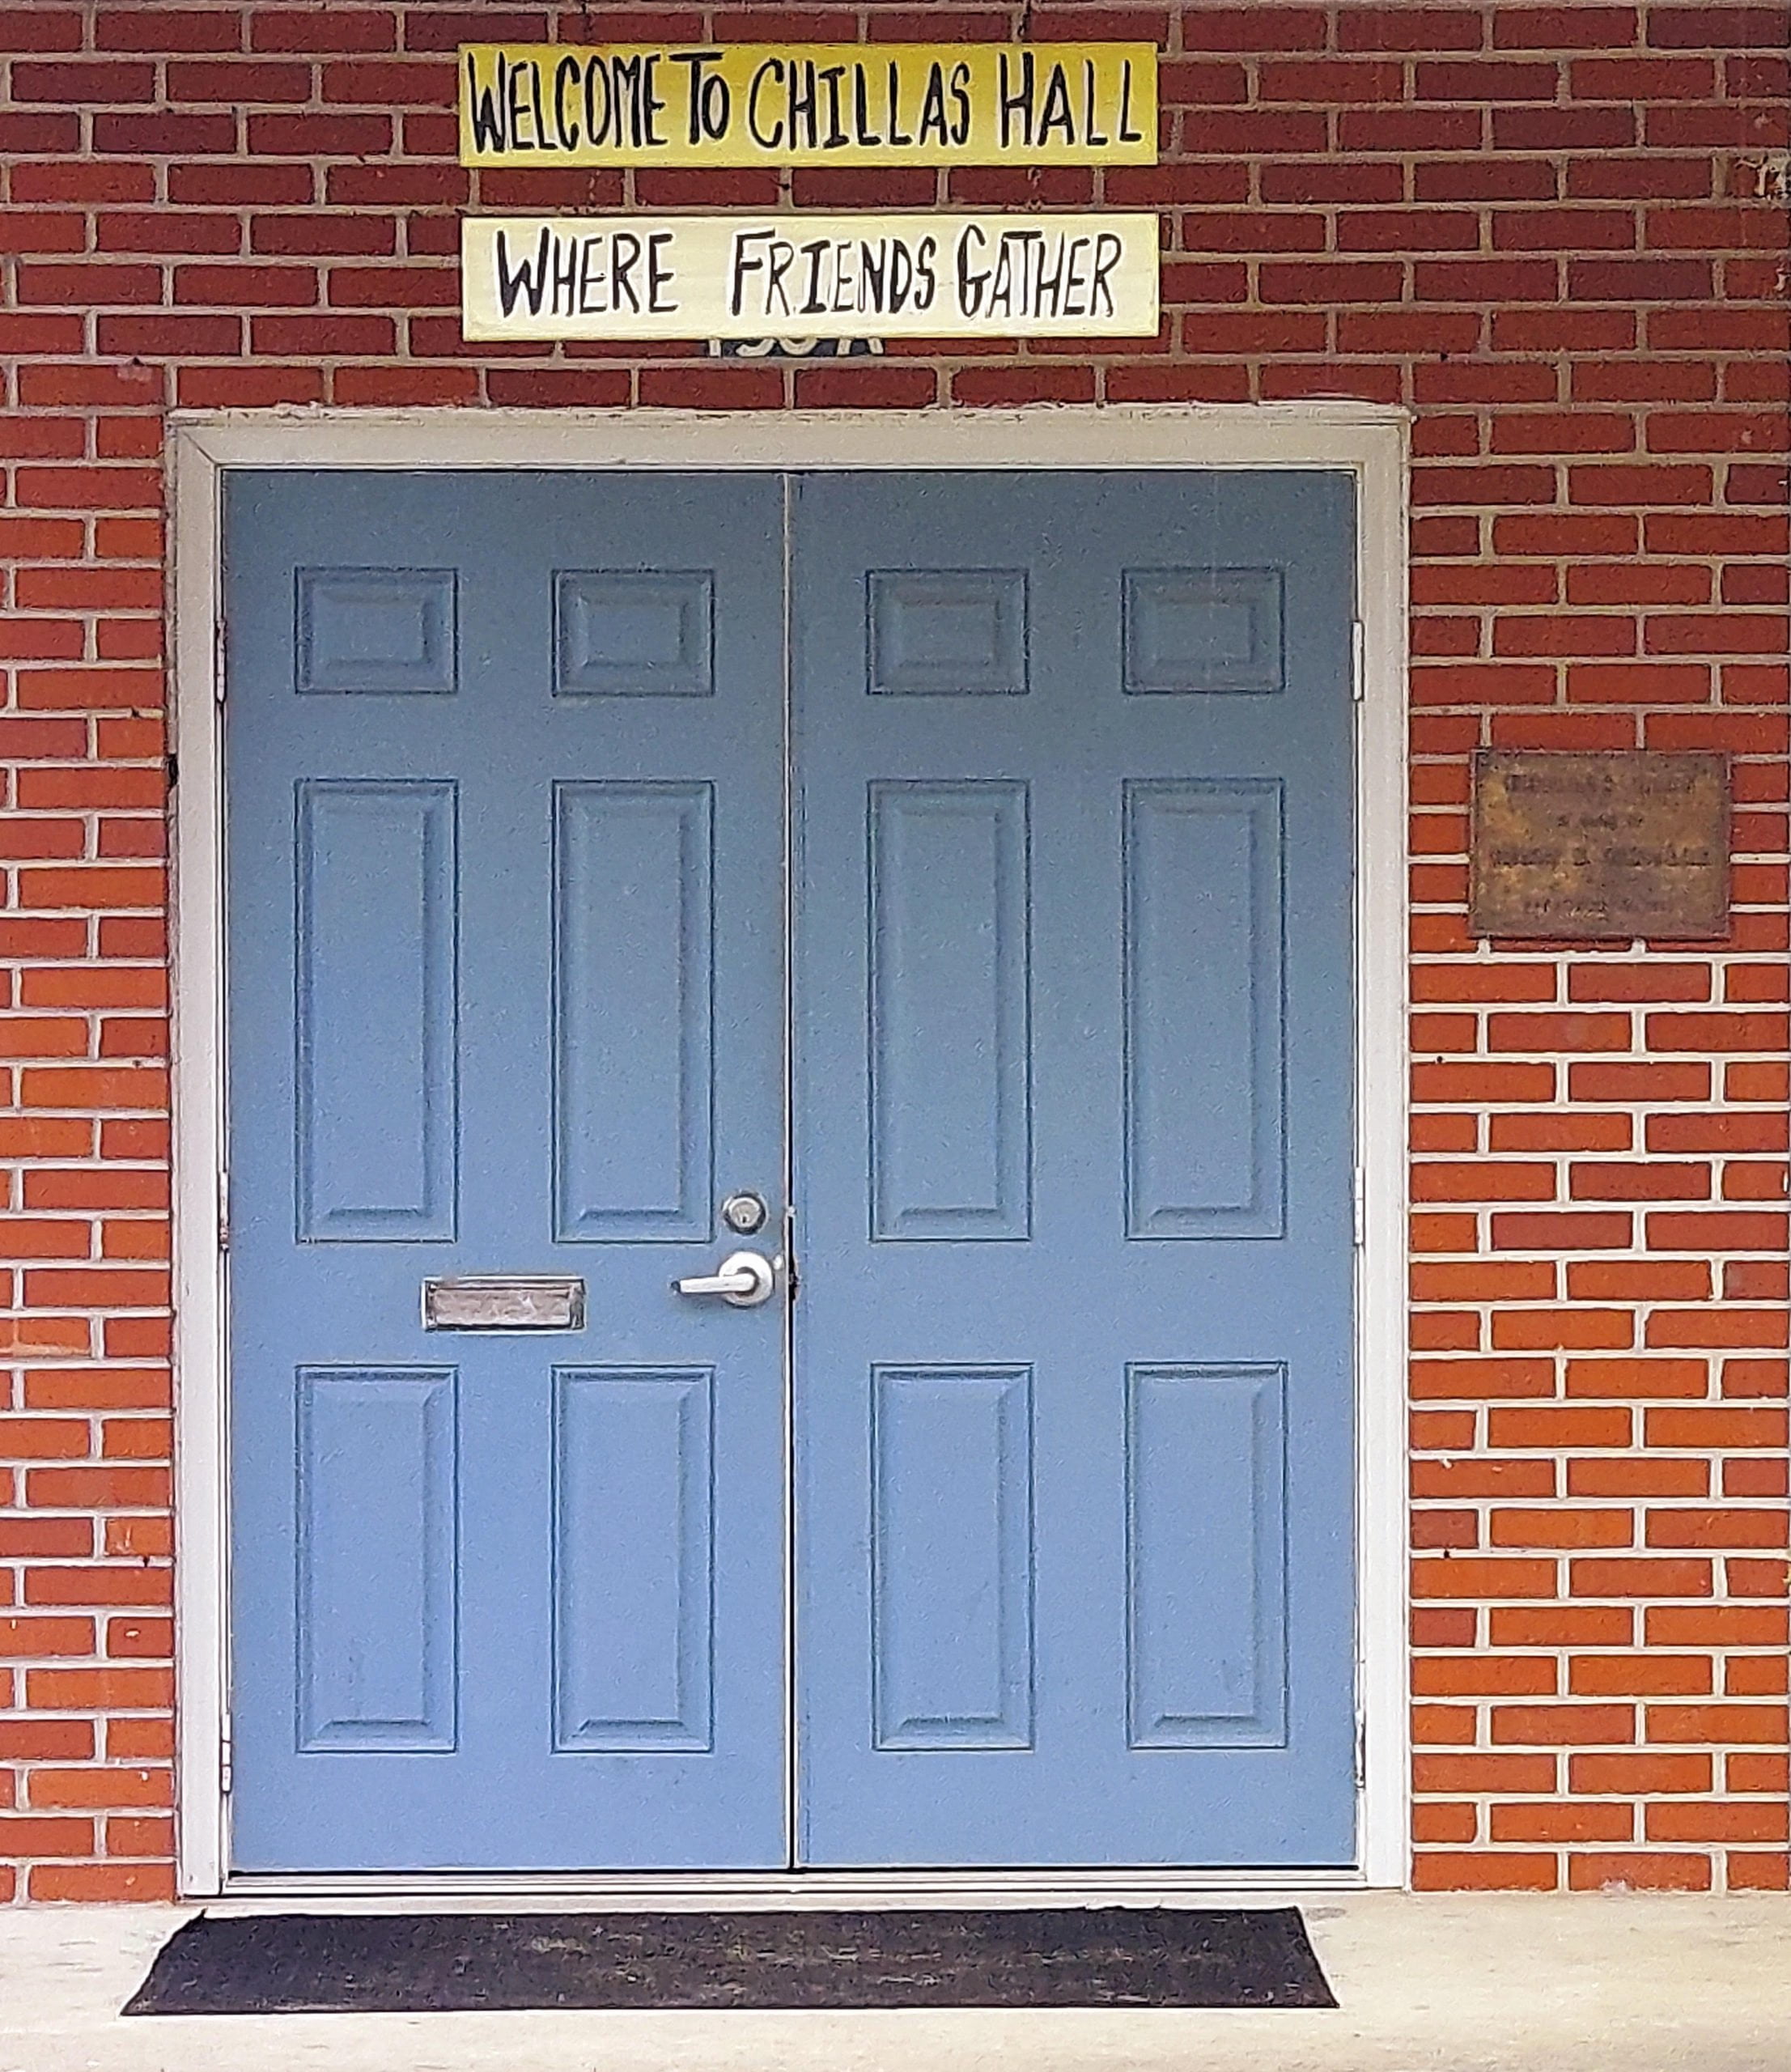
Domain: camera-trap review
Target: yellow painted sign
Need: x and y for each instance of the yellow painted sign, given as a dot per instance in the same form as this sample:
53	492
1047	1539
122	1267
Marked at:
814	103
954	275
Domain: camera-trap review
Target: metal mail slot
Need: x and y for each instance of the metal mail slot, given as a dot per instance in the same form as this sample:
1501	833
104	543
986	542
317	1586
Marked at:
504	1302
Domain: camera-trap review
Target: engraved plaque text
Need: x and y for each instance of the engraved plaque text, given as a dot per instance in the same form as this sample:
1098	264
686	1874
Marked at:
1599	847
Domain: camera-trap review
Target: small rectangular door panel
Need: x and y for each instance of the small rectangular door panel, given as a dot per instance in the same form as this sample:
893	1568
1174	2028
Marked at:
505	790
1205	1549
378	1632
633	1552
1074	1081
951	1555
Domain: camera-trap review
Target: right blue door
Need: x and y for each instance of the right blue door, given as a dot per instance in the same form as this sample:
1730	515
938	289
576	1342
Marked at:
1074	1385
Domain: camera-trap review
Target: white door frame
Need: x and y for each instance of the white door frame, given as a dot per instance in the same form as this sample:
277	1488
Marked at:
1368	440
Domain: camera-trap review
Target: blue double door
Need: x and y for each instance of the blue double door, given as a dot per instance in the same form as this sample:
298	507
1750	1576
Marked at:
955	869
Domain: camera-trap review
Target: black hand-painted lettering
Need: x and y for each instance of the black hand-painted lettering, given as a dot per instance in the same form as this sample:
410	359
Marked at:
692	61
802	104
972	279
1092	133
1011	100
863	134
660	277
745	261
597	78
846	255
625	258
1054	114
526	279
591	277
516	108
961	96
783	256
566	276
1127	134
926	275
894	114
814	302
709	102
539	112
767	140
627	88
1107	249
836	136
932	106
652	100
1075	282
565	124
485	102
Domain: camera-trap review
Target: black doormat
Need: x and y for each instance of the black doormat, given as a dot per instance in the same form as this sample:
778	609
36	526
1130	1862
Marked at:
422	1964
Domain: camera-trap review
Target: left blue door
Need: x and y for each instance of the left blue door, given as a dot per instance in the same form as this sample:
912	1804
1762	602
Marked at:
504	856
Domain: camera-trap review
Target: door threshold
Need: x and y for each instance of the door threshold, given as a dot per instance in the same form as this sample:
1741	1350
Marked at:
770	1892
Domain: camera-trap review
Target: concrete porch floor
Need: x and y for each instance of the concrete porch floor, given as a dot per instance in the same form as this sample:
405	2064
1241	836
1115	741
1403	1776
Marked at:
1616	1983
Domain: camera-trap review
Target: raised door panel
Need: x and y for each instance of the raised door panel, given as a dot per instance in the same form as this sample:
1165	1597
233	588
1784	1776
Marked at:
1206	1513
952	1551
378	1544
950	1038
633	1010
1204	988
377	876
634	1557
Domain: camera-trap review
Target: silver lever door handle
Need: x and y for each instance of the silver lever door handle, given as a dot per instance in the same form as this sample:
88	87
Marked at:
744	1280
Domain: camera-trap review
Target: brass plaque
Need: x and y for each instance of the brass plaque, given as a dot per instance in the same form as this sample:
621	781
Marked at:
1599	847
504	1302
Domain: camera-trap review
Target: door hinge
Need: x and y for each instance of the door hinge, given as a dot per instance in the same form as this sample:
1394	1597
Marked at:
1361	1749
220	657
1358	672
224	1212
1359	1206
226	1755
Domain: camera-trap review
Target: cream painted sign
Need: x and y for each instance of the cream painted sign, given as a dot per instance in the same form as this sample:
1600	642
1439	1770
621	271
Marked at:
778	105
777	276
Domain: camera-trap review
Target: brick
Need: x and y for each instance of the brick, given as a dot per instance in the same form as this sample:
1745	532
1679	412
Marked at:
1563	1725
1690	1821
95	1884
1512	1870
1638	1478
1464	1579
1578	1526
1559	1626
1579	1229
1652	1773
99	1787
167	29
1626	1280
1626	1871
1597	1576
45	1836
1551	1821
1478	1675
1639	1676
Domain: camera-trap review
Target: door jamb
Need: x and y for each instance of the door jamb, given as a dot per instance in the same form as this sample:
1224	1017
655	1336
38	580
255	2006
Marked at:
1368	440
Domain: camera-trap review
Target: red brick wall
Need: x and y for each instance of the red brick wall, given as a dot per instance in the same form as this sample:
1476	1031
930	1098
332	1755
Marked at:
1550	231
